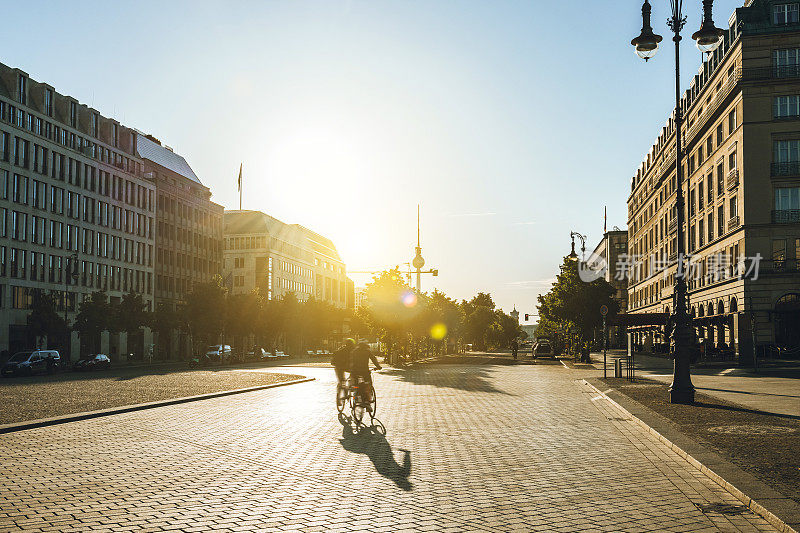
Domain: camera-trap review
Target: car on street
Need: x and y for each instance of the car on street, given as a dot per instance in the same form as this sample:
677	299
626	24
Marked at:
256	354
320	352
267	356
219	353
310	352
543	348
31	362
93	362
281	354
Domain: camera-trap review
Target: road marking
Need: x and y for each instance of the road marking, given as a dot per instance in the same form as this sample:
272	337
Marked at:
563	363
726	371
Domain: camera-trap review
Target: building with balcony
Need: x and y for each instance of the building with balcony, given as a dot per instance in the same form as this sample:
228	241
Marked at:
77	214
188	232
742	186
277	258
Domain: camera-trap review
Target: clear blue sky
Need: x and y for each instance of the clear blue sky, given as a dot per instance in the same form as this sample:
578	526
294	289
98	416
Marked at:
346	114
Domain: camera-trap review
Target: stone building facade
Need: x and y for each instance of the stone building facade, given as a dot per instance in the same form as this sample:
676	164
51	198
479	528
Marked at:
742	186
188	233
262	252
77	213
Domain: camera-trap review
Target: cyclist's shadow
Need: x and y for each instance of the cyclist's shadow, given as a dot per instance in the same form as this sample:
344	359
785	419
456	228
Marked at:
372	442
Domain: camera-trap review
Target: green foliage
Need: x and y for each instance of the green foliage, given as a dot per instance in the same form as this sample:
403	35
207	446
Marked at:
205	312
571	309
44	319
95	315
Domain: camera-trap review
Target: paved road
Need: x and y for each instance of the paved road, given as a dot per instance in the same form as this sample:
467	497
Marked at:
771	390
475	448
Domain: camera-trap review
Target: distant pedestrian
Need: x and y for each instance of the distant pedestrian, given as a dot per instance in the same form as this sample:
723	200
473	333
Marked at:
514	348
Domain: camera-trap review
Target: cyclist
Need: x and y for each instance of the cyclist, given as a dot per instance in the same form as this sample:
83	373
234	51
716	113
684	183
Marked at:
359	363
341	360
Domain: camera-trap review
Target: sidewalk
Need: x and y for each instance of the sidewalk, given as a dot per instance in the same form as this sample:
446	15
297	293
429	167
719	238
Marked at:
774	390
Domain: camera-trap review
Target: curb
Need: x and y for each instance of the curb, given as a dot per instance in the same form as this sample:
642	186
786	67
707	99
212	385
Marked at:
44	422
711	464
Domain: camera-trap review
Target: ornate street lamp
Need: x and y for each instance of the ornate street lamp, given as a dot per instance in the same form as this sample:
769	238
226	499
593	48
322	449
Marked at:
572	255
708	38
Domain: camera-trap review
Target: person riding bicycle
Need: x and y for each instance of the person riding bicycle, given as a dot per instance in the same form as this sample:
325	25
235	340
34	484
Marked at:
341	359
359	363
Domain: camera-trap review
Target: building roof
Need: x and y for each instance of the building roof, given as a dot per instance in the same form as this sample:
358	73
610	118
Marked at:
161	155
245	222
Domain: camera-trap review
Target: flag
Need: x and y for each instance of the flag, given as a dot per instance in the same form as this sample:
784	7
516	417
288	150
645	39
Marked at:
605	216
240	177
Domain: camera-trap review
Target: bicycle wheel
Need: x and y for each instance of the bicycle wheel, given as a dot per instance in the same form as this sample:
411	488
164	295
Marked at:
372	405
341	397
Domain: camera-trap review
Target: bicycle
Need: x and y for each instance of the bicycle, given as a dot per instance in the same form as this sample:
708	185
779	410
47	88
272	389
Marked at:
360	395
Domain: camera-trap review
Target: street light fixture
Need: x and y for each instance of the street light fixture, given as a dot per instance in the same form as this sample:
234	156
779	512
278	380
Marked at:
572	255
647	42
708	38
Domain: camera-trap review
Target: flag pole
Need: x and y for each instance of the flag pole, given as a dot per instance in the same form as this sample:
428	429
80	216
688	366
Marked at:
240	186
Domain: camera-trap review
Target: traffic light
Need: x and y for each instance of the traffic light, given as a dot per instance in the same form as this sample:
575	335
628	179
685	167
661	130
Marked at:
435	272
526	317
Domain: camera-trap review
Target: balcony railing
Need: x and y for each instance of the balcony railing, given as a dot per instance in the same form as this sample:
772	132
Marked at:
767	73
673	225
783	216
789	168
733	222
732	181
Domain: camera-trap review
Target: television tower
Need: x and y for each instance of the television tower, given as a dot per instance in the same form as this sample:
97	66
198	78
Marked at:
418	262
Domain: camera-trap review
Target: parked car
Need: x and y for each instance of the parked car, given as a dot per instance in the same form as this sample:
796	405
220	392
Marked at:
543	348
219	353
32	362
320	352
268	356
256	354
281	354
310	352
93	362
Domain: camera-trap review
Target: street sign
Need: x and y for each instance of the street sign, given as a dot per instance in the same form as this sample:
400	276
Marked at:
604	310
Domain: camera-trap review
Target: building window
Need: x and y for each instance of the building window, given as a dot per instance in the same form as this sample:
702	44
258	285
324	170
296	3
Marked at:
785	13
787	198
22	89
721	220
787	151
785	62
73	114
786	106
720	133
48	102
720	178
95	126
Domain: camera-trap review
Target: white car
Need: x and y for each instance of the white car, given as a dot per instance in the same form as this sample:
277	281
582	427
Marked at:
281	354
219	353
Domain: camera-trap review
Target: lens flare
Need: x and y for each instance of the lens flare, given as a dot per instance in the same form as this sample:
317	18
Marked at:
409	299
438	331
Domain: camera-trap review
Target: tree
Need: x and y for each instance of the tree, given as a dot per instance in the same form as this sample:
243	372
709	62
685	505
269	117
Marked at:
94	316
164	320
241	318
205	312
571	309
130	315
44	319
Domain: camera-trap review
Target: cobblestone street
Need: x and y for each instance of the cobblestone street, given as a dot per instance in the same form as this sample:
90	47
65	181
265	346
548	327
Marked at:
482	448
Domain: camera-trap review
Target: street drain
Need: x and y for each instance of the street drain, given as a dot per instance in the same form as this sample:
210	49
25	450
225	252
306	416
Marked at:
722	508
752	430
617	419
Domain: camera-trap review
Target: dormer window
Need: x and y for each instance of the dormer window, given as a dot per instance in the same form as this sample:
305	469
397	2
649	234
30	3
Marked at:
785	13
48	102
94	124
73	114
115	134
22	89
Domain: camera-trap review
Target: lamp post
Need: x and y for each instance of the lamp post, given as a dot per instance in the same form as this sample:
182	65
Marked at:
708	38
572	255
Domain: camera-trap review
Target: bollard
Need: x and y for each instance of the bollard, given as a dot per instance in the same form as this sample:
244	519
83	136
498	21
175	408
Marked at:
618	368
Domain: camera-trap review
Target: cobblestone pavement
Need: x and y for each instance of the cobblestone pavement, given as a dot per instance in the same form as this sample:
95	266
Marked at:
467	448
